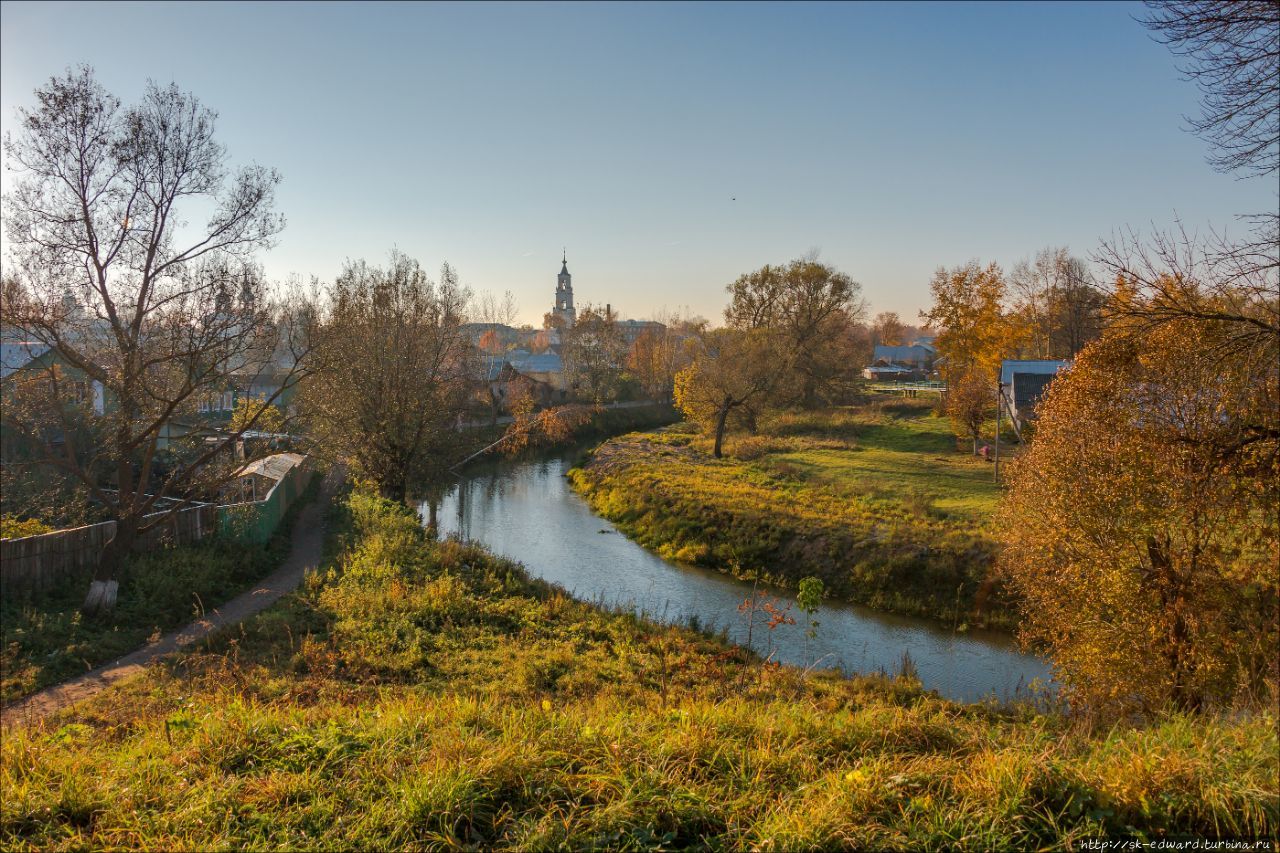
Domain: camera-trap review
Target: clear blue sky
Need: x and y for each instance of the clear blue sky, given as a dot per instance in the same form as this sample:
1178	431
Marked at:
893	138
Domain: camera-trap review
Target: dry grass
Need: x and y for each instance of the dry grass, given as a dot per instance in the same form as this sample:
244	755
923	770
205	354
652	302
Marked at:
430	696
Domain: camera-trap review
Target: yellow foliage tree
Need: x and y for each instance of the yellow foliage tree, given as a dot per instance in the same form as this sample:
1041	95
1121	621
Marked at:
251	414
733	368
970	398
968	308
1141	526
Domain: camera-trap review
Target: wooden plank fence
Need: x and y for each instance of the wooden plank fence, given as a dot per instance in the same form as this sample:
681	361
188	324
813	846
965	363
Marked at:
37	563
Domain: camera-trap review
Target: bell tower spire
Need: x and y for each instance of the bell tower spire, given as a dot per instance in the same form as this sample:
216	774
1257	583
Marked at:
564	293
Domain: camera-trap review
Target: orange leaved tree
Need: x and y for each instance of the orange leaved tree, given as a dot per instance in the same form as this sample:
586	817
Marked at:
1141	526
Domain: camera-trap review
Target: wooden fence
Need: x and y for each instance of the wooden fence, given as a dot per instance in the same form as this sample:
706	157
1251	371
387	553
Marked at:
36	563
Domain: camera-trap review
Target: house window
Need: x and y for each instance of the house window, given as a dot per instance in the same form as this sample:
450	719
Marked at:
228	401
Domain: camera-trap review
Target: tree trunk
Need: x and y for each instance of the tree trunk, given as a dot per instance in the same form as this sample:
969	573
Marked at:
721	418
105	586
1184	694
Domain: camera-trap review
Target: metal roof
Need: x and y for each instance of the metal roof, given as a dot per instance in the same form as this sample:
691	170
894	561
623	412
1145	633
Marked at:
1010	366
547	362
15	355
272	467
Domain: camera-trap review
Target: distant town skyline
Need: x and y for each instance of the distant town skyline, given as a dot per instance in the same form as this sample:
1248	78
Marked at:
669	148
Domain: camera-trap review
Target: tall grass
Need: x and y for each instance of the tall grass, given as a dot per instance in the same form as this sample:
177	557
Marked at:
44	638
430	696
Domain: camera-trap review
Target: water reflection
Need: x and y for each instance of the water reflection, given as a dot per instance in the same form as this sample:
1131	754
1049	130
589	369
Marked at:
528	512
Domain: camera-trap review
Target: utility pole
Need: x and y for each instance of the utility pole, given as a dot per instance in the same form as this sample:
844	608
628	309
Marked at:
999	406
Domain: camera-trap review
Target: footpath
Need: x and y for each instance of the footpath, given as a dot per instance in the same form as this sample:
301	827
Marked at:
305	550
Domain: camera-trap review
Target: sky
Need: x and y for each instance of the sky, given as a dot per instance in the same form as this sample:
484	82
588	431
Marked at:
668	148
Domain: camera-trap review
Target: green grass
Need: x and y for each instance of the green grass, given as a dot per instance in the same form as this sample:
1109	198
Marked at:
431	696
875	500
44	638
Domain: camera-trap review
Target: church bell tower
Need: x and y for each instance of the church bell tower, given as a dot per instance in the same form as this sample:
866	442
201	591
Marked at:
564	294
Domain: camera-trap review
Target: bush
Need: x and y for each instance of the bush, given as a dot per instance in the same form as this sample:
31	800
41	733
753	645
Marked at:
15	528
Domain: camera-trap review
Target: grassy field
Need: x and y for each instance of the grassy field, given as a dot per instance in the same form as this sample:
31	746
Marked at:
874	500
429	696
44	639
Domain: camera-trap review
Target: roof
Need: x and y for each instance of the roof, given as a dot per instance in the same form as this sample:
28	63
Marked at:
547	362
911	353
272	467
1049	367
15	355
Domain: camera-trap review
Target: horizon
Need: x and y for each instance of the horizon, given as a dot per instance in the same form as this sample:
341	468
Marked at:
680	152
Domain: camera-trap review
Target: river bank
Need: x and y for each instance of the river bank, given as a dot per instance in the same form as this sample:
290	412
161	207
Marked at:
428	694
874	500
527	511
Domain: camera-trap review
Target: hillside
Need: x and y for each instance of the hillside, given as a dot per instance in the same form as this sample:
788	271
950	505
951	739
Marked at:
431	696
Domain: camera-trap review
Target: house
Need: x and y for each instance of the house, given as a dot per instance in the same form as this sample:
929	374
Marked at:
916	355
892	373
631	330
1023	382
502	378
546	367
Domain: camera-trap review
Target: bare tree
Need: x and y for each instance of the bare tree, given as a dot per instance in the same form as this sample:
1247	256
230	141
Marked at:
1176	275
888	329
391	371
732	368
813	307
594	352
493	311
1060	307
153	314
1231	50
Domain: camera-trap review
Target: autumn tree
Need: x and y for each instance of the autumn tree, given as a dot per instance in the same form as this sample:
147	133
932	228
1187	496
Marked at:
888	329
391	373
968	307
1141	526
1057	303
540	341
732	368
659	353
593	353
652	359
970	399
1231	50
258	415
813	308
153	312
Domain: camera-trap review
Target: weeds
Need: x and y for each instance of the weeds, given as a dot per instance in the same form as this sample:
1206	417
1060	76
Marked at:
390	716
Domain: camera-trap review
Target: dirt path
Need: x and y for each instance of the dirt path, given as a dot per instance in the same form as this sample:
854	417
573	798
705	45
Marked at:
304	555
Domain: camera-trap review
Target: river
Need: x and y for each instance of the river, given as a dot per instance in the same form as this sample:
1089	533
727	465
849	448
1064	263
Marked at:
527	511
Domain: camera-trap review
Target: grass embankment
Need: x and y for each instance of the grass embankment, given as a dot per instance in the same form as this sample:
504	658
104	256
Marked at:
44	638
874	500
602	423
432	696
